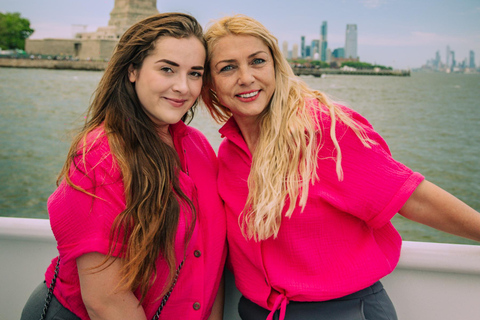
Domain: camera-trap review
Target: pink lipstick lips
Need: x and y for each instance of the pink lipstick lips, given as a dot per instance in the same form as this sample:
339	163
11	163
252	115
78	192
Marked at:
248	96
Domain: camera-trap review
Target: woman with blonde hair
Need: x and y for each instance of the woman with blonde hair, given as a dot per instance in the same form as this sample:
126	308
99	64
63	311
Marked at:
309	188
138	221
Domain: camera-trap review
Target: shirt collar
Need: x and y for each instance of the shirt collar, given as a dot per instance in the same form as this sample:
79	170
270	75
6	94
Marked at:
229	128
231	131
178	130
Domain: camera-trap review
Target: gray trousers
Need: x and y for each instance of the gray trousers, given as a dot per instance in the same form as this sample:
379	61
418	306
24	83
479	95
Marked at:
371	303
34	307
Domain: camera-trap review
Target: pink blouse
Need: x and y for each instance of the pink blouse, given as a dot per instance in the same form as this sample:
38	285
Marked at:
342	242
82	224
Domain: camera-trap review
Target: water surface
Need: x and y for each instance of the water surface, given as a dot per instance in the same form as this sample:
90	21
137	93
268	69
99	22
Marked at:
430	122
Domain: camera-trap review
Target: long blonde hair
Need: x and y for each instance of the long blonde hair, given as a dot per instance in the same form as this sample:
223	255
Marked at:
285	160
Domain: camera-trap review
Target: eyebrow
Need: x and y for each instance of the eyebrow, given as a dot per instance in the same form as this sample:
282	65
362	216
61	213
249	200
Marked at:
233	60
177	65
168	62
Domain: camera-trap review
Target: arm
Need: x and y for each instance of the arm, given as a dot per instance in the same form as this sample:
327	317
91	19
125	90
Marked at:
217	310
435	207
100	294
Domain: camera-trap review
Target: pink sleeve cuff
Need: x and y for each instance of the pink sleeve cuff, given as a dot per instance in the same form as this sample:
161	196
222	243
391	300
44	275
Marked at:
397	201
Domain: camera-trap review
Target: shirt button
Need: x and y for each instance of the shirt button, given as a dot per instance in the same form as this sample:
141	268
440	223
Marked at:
196	306
197	253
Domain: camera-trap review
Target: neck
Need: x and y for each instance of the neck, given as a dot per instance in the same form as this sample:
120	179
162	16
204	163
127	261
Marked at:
250	129
165	135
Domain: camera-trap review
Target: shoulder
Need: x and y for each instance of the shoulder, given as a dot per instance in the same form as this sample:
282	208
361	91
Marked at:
94	143
349	124
324	113
196	134
345	117
94	157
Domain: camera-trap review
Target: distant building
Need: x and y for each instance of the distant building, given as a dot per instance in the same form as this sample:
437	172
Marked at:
471	60
99	44
295	52
307	52
437	62
453	61
302	43
465	65
315	49
323	41
338	53
448	63
351	42
285	49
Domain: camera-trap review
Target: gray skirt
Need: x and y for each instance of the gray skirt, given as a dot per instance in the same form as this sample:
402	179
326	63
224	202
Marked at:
34	307
371	303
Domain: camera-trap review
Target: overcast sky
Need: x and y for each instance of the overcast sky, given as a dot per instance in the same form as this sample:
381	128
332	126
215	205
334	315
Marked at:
398	33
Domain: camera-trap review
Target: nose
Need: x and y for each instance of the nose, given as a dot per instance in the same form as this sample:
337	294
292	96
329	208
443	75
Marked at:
245	76
181	84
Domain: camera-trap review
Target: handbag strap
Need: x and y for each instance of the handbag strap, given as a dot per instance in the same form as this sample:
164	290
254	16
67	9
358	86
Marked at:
49	296
167	295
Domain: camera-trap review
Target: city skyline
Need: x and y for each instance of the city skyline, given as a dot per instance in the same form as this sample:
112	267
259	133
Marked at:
402	34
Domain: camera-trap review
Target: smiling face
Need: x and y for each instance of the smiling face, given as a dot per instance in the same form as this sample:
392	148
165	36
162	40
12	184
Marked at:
170	79
243	75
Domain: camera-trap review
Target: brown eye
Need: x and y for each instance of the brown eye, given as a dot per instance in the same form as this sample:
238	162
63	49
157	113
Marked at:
167	70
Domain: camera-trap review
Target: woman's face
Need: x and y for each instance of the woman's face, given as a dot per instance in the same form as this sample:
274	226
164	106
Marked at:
243	75
170	79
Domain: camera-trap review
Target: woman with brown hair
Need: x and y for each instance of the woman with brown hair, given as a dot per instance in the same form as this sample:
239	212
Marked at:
309	188
136	214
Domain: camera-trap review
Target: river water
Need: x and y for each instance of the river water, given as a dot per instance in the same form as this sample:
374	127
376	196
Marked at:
430	121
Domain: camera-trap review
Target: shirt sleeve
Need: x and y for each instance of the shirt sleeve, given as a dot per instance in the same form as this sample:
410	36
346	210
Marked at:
82	222
374	186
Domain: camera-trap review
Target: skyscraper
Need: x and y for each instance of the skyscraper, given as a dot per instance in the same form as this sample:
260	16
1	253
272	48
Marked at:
315	51
447	57
285	49
323	41
295	51
471	60
351	41
437	61
302	47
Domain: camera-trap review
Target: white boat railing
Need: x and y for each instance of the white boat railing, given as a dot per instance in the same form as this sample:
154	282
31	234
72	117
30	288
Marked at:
431	282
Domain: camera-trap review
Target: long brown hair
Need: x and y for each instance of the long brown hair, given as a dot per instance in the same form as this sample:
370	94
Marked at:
149	167
284	163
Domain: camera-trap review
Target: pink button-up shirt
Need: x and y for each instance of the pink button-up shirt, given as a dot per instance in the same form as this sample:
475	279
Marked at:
342	242
82	224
